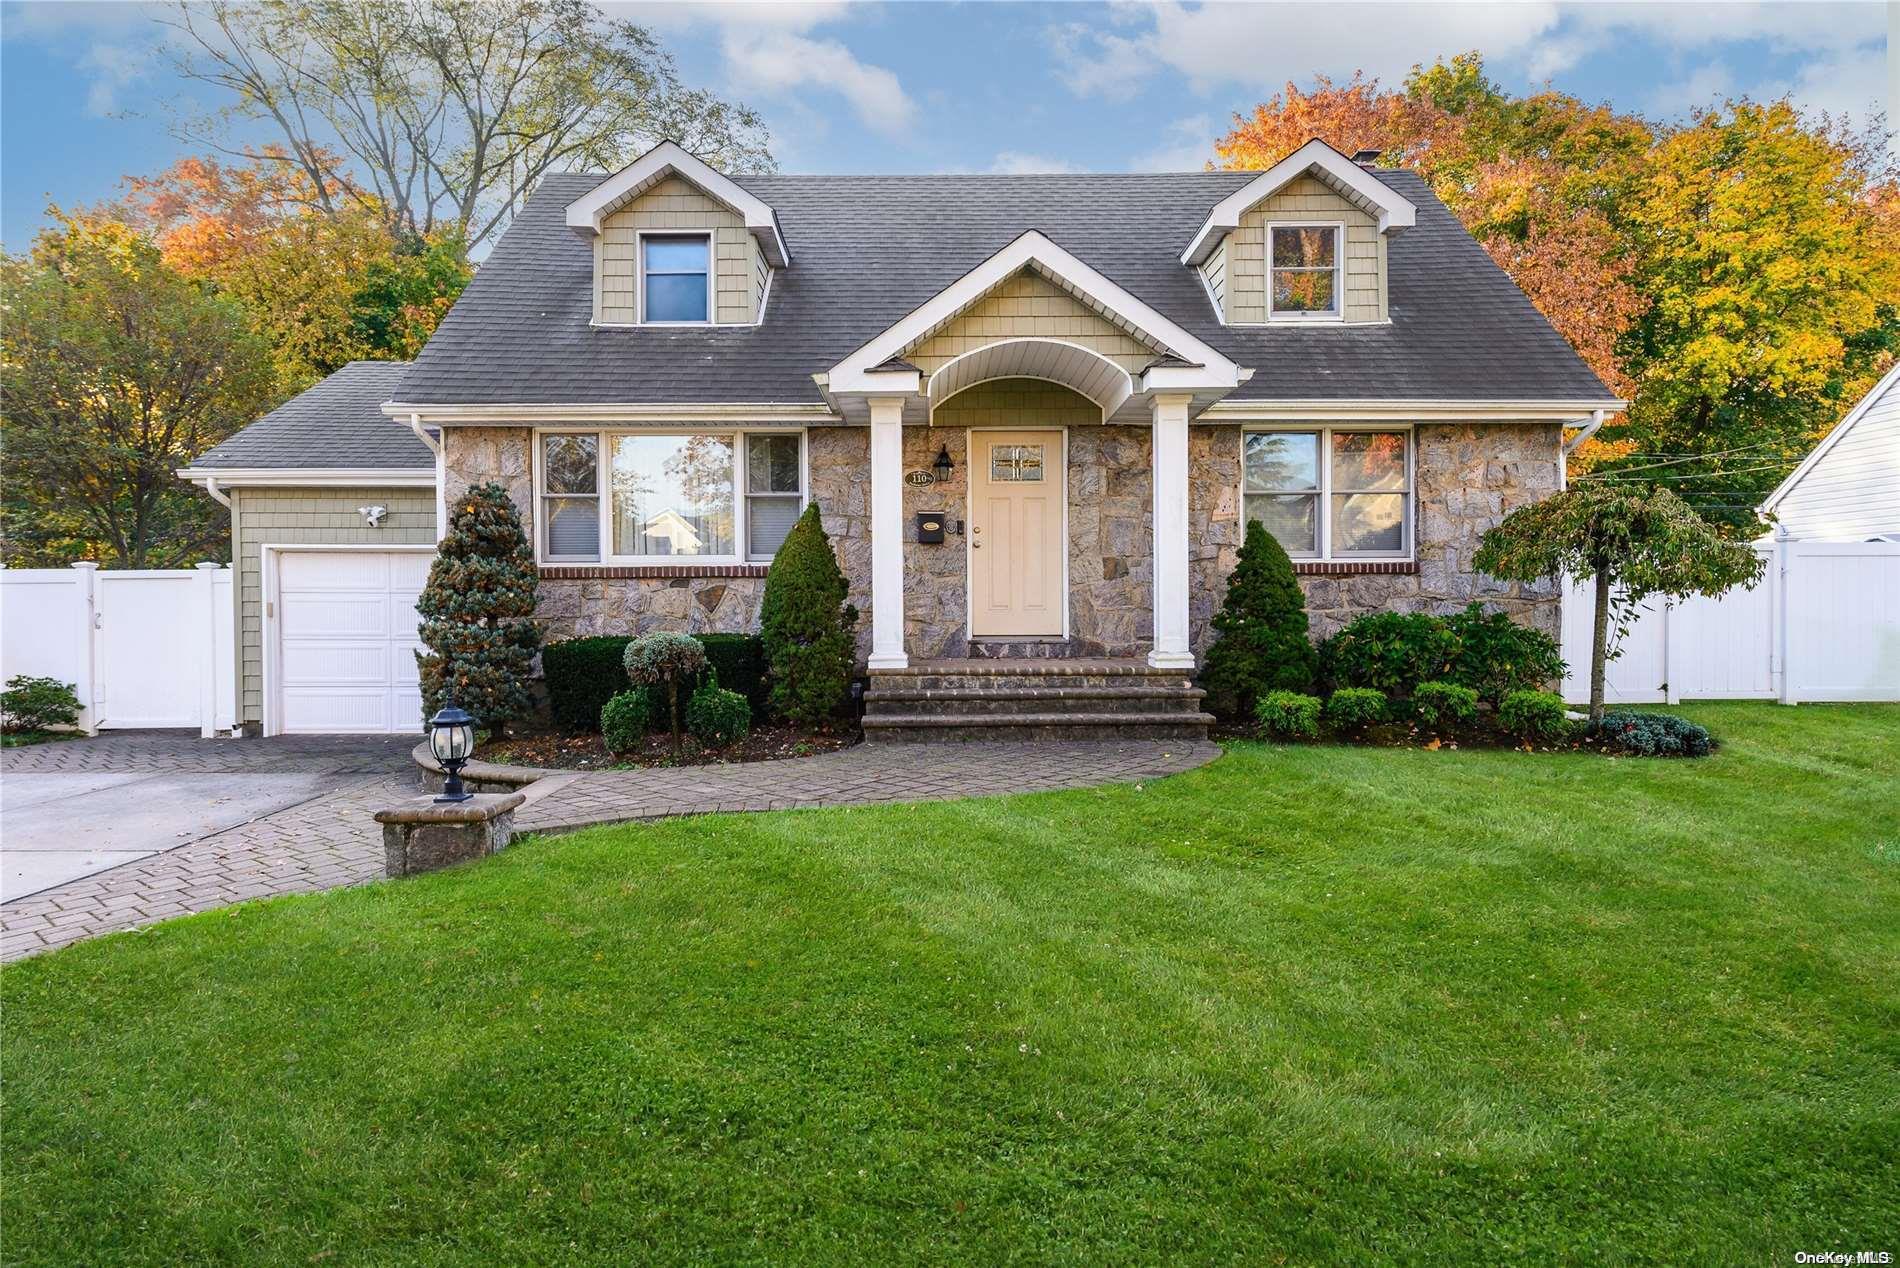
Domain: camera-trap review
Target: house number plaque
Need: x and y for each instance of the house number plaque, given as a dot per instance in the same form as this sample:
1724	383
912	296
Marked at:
918	479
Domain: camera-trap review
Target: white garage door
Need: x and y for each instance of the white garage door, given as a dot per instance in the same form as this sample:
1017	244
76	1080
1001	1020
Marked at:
346	628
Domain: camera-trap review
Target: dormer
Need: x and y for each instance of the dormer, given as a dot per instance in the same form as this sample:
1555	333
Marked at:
1303	243
677	243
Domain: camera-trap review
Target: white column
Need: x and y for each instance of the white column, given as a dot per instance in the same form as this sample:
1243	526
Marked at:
887	533
87	619
205	595
1170	474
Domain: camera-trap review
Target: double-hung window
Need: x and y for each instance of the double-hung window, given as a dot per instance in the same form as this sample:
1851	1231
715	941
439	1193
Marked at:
675	277
1304	263
651	497
1331	493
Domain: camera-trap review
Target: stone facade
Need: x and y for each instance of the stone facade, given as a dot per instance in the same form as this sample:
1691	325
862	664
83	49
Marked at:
1468	476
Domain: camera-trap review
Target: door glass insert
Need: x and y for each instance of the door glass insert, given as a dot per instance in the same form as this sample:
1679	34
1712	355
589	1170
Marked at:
1018	464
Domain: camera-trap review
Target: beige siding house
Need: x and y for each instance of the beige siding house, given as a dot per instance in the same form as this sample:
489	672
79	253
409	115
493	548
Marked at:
1036	414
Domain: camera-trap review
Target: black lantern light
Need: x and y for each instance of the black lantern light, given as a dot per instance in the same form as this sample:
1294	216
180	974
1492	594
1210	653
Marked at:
942	467
452	740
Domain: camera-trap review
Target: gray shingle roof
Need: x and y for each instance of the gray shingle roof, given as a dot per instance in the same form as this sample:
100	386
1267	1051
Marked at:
866	250
337	423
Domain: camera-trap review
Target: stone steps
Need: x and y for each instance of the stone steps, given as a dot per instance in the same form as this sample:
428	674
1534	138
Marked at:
1027	700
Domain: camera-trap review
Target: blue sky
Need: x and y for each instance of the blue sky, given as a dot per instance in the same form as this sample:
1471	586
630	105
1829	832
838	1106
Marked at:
921	87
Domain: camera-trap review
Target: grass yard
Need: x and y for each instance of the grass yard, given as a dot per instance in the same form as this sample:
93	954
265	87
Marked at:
1305	1005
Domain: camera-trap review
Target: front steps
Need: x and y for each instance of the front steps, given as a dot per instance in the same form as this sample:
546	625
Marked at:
1041	699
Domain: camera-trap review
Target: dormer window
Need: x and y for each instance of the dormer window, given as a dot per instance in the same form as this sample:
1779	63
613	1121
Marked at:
1305	282
675	278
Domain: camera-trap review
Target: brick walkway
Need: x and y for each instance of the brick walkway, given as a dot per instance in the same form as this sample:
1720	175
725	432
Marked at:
330	841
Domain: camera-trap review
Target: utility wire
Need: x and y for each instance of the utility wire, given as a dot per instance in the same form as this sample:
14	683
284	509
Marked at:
1701	457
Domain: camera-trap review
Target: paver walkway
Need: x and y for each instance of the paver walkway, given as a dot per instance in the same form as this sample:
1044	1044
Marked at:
330	841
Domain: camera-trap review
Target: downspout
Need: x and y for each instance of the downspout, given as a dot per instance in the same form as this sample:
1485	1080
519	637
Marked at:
217	494
435	447
1584	433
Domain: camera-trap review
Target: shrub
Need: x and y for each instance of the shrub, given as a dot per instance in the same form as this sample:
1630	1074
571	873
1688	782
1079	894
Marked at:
1355	708
38	704
1391	652
717	717
1288	715
1534	715
624	720
1654	735
807	626
1442	705
1497	656
668	660
583	674
1262	644
478	612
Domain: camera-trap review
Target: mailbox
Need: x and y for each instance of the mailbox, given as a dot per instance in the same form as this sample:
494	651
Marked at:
930	526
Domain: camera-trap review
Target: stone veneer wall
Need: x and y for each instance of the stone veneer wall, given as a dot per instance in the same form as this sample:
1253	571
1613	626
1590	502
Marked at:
1111	541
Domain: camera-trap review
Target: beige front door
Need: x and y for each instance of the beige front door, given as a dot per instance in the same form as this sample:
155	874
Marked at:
1016	492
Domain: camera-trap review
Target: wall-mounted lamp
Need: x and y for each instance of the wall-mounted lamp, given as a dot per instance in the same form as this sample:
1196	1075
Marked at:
942	467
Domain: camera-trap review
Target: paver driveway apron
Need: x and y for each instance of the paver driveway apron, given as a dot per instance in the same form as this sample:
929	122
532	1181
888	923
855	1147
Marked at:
72	809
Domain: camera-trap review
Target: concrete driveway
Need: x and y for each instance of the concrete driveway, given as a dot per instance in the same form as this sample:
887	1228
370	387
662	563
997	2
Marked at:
76	807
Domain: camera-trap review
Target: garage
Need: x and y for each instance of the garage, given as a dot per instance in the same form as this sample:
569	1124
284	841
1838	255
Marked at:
343	635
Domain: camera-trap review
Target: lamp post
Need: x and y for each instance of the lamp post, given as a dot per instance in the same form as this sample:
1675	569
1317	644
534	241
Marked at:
452	740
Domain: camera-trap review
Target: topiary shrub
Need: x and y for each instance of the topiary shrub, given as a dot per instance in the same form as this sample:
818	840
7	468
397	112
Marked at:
1391	652
1355	708
624	721
807	626
717	717
1654	735
1497	656
1289	715
1534	715
478	612
37	704
666	660
1443	705
1262	642
583	674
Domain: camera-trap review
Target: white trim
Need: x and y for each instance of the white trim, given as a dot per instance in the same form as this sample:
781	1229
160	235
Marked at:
1880	389
1420	411
605	412
1323	523
931	421
969	509
640	237
268	555
1307	317
310	477
1125	385
887	534
856	372
1394	210
585	214
1169	480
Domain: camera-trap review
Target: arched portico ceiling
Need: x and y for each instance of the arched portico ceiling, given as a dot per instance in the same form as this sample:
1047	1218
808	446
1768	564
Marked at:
1073	366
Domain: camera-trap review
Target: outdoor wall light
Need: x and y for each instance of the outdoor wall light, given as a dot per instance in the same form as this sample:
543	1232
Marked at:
942	467
452	740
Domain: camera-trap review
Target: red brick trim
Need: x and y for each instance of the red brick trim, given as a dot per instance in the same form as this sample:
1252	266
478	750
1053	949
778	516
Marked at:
1379	567
646	572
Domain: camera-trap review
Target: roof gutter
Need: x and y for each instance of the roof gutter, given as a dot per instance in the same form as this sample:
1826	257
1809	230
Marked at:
306	478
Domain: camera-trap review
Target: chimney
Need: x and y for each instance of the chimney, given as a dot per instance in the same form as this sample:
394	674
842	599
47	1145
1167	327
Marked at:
1366	158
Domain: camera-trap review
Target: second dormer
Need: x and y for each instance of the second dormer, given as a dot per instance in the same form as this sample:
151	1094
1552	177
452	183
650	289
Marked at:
1303	243
677	243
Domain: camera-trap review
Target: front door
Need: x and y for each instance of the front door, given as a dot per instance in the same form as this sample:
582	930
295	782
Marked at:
1016	493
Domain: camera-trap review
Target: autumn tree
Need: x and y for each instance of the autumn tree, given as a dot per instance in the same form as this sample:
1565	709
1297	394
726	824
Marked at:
443	117
117	370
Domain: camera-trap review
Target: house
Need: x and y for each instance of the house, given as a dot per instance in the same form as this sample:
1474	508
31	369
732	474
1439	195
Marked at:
1848	488
1088	383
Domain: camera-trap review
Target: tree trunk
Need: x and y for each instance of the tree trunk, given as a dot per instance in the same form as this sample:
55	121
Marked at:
673	697
1599	642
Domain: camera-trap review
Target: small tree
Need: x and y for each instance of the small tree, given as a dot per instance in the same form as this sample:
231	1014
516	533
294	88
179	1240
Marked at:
807	625
1636	542
478	612
1262	625
670	659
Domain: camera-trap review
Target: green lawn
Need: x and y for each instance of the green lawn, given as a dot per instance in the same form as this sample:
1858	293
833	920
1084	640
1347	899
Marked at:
1304	1005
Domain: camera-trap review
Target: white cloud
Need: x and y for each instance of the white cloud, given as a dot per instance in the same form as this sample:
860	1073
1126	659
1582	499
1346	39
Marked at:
110	69
1186	145
1017	163
769	50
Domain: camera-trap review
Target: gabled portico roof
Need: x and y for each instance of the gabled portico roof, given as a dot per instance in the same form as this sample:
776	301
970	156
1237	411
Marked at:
1321	161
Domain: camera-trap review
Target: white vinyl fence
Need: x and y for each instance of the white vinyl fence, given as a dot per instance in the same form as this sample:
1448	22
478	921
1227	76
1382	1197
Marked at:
143	648
1822	624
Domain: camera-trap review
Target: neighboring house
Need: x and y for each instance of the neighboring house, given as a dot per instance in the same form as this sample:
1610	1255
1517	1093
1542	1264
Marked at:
665	364
1848	489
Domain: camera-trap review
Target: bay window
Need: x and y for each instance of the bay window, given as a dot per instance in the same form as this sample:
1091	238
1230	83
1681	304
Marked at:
654	497
1331	493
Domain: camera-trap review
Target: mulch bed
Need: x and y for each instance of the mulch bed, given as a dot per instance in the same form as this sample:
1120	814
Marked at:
587	752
